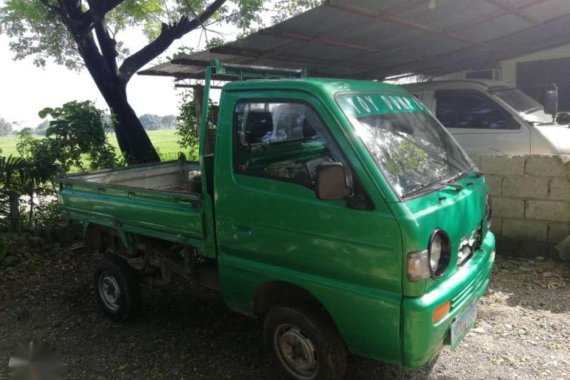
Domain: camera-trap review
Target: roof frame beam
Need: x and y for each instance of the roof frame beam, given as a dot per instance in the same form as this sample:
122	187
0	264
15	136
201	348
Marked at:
515	11
230	50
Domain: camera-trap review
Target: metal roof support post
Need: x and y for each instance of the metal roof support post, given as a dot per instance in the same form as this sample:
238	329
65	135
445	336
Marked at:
198	97
204	115
205	161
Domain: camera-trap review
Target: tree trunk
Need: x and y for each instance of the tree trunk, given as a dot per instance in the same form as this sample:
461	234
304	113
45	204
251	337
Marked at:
131	136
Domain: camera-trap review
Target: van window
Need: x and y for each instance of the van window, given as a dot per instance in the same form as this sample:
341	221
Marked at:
468	109
279	140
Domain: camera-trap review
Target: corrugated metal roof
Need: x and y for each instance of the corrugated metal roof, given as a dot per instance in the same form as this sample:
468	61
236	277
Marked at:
374	39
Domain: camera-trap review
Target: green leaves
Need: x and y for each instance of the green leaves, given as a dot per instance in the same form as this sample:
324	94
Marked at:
152	30
76	131
36	30
215	42
146	14
181	52
46	111
20	176
11	170
187	123
141	10
288	8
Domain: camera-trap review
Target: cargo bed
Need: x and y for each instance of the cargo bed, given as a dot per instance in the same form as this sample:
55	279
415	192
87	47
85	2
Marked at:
153	200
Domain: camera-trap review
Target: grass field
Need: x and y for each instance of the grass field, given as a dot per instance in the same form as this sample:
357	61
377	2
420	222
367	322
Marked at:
165	142
8	145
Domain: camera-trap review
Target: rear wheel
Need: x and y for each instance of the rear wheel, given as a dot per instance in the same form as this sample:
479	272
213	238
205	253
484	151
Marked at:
304	344
117	289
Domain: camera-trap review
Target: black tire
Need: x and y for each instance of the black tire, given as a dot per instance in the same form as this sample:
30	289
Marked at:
117	289
297	337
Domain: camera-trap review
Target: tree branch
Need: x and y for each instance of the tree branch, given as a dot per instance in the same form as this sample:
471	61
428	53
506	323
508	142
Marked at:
97	11
168	34
77	22
99	8
109	5
108	46
73	18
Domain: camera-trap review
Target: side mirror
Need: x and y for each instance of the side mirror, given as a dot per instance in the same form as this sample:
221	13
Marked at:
331	181
551	100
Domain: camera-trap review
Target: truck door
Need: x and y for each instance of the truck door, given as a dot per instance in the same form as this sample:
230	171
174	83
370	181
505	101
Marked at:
272	227
480	125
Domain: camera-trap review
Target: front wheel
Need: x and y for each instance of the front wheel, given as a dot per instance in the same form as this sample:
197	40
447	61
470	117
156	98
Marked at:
304	344
117	289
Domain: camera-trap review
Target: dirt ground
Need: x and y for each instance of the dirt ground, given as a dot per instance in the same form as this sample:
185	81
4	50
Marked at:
523	329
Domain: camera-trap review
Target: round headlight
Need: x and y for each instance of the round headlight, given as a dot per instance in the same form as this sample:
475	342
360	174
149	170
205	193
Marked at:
439	251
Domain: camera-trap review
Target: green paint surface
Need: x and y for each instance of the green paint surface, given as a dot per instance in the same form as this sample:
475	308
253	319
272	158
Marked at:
369	104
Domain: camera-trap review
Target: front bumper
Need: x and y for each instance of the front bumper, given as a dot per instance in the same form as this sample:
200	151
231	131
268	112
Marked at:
421	338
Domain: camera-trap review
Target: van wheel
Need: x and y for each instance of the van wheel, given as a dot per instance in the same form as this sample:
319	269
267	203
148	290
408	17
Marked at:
117	288
304	344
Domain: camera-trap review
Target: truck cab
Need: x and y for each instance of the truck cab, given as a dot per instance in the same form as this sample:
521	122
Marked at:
339	212
492	118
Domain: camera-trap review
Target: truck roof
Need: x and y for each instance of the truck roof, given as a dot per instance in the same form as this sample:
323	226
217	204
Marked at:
472	83
329	86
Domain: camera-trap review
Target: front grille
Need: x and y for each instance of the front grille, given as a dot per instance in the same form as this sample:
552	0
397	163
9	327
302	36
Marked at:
466	292
469	245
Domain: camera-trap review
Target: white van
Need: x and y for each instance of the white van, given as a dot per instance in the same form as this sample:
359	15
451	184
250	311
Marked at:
490	117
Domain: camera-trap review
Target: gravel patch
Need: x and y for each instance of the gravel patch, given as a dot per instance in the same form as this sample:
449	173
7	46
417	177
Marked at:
522	332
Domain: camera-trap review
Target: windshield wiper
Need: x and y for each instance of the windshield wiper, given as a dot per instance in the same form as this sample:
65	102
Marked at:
436	185
456	186
462	173
440	185
424	189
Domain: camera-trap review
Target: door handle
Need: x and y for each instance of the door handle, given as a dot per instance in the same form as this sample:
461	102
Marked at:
238	231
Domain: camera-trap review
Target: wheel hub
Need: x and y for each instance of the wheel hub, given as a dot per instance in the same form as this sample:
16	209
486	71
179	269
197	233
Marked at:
109	291
296	352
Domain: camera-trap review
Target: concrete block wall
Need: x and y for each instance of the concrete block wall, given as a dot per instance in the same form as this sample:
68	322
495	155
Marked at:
531	202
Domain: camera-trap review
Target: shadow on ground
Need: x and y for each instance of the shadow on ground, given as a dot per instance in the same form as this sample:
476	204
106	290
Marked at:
532	284
188	333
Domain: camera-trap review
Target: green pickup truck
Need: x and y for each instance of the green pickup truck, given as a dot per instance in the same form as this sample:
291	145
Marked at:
339	212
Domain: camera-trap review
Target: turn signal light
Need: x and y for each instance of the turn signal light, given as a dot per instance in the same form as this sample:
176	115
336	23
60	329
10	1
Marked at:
441	311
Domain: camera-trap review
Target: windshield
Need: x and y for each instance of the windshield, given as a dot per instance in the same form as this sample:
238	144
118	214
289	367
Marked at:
517	99
412	149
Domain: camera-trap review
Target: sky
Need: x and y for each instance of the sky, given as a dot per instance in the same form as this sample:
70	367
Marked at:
26	89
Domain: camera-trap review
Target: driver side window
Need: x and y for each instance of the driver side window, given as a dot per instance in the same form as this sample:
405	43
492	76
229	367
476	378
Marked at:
468	109
279	140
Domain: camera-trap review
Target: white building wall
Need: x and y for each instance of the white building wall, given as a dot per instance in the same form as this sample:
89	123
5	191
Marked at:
509	67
